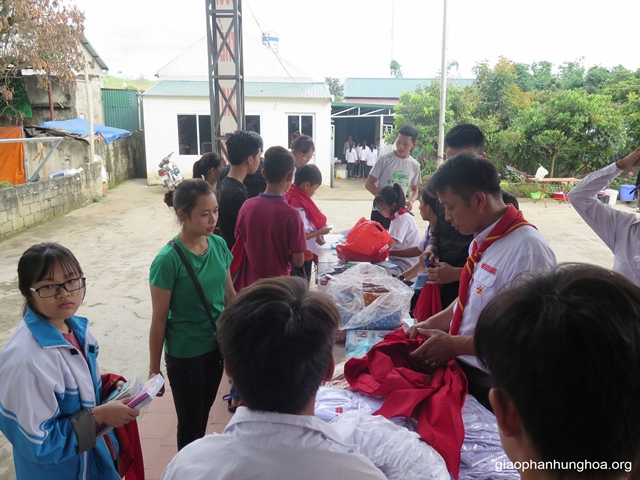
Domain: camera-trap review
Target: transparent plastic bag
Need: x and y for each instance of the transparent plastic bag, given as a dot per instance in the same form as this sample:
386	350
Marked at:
366	294
397	452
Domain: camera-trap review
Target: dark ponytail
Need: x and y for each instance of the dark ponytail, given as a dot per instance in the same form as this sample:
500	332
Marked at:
186	194
207	162
391	194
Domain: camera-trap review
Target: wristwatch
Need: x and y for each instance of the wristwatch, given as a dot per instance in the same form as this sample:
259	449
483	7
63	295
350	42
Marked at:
401	277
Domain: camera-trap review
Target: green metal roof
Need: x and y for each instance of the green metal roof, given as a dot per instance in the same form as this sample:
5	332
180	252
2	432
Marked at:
182	88
391	87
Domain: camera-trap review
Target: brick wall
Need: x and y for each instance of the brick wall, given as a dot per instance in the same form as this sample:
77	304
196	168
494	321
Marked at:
24	206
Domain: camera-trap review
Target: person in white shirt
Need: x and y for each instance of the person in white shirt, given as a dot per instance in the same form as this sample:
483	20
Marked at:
371	157
620	231
351	156
277	341
403	228
566	378
505	245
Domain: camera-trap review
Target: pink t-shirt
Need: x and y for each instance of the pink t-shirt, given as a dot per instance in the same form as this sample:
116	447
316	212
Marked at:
71	338
271	231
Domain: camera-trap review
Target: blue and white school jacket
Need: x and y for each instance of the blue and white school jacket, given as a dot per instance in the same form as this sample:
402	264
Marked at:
46	392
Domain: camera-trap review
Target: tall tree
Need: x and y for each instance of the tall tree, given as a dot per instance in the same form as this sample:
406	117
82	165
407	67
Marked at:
421	108
543	77
336	88
43	35
571	75
494	86
565	129
396	69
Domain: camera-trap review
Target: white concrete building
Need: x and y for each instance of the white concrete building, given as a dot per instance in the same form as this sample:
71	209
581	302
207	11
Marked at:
279	99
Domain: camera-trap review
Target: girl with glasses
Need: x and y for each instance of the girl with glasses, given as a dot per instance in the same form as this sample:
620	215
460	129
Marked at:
51	386
303	150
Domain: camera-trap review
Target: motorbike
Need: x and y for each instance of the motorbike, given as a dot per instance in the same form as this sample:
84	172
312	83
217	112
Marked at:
169	173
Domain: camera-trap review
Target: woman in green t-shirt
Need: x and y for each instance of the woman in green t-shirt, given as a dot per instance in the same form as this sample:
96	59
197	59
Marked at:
179	320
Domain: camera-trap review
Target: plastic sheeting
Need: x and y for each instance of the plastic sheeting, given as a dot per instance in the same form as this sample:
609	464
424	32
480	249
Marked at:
396	451
481	451
80	126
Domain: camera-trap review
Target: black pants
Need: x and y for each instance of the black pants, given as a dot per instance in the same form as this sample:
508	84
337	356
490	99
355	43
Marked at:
304	271
479	384
351	167
194	384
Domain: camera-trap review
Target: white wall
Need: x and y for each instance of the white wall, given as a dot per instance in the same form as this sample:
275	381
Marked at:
161	128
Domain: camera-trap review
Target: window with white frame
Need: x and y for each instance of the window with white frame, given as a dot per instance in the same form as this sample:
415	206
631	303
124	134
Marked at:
300	123
253	123
194	134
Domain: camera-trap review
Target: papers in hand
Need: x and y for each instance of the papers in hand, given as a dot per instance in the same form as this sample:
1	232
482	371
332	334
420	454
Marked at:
139	395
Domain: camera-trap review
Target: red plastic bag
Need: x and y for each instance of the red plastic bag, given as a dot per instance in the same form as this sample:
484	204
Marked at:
368	241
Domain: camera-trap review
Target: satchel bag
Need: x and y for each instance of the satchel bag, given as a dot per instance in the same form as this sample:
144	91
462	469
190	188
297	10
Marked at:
196	283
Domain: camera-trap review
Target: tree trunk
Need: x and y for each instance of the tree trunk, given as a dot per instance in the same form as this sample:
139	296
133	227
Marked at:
553	164
51	109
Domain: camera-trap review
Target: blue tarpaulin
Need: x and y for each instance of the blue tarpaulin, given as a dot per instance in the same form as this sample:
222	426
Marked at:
81	127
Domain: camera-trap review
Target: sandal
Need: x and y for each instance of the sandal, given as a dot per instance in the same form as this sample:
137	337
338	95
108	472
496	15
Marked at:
233	401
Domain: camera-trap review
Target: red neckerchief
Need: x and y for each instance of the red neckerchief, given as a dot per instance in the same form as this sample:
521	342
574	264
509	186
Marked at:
509	222
401	211
298	198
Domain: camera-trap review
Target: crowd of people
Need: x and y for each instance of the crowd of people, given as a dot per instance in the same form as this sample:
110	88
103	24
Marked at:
552	350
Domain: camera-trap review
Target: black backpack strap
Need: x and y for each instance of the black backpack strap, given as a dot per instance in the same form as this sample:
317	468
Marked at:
192	274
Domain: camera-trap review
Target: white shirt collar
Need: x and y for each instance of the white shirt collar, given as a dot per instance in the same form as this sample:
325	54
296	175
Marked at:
272	420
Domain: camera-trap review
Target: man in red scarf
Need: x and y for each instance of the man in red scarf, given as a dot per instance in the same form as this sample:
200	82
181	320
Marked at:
504	246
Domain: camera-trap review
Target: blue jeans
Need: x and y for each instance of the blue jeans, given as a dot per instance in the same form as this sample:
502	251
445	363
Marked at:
194	384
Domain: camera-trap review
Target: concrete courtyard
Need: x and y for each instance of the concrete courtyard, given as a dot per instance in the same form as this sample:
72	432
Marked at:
116	239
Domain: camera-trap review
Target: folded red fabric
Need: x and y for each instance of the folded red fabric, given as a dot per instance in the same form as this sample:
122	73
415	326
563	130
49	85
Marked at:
428	303
434	397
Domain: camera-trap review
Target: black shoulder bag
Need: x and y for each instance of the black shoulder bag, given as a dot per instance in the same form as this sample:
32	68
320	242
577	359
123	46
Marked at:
192	274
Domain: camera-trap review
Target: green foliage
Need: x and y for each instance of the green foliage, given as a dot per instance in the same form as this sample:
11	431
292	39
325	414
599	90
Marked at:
570	122
139	83
396	69
336	88
494	87
422	109
5	184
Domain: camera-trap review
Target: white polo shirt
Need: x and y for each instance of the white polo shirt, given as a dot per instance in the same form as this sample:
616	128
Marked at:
271	446
620	231
404	230
522	250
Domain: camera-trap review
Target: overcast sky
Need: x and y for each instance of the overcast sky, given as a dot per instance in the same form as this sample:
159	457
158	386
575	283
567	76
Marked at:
353	38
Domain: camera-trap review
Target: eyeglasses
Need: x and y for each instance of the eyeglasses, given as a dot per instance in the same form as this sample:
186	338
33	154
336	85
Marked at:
306	156
52	290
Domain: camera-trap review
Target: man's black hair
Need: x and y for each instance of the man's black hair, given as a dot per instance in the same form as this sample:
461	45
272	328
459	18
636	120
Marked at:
465	174
277	341
465	135
278	163
308	173
564	345
243	144
409	131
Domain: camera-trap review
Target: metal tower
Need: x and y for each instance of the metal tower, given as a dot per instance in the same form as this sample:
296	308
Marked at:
226	69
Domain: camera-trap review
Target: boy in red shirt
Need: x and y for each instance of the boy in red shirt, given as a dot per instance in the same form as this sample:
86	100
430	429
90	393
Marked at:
269	232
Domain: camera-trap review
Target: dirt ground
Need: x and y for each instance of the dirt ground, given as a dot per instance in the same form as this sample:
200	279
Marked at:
116	239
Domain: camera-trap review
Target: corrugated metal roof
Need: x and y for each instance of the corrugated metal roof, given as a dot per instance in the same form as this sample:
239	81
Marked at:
391	87
168	88
287	90
176	88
